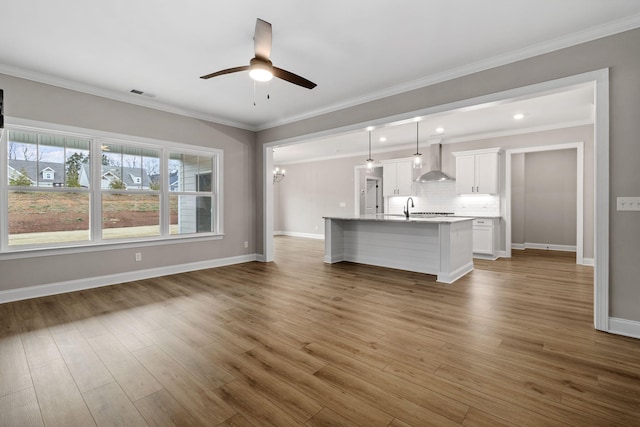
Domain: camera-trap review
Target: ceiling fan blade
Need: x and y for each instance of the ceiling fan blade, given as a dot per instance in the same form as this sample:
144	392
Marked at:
262	39
293	78
227	71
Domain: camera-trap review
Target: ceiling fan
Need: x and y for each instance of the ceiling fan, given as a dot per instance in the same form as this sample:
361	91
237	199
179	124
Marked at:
260	67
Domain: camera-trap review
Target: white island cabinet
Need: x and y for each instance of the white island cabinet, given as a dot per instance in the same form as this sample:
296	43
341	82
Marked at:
442	246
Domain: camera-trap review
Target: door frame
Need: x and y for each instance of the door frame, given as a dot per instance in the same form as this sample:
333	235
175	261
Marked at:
600	79
379	197
579	147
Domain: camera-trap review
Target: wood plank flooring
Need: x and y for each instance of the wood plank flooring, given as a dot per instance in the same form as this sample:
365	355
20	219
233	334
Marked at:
301	343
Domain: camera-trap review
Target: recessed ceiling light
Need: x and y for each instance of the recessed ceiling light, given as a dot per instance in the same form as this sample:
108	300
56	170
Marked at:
440	130
518	116
383	139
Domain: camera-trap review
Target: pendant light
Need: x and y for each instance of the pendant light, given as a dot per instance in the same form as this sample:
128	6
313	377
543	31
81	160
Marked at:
417	158
369	160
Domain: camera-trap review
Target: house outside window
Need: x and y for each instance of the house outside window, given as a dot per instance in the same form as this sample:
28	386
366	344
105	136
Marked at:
141	191
192	193
48	174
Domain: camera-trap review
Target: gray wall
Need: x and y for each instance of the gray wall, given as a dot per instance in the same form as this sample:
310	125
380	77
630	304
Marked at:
311	191
315	189
620	53
300	203
544	198
537	139
35	101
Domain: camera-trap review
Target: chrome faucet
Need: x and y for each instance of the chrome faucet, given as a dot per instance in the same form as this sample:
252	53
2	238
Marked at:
406	210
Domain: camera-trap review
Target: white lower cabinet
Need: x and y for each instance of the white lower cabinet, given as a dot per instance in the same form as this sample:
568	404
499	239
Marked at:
485	237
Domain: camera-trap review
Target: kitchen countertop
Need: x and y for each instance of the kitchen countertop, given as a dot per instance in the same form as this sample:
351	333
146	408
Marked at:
401	218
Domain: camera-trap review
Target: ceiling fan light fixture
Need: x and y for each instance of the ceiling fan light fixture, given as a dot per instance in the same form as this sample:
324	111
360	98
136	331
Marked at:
260	70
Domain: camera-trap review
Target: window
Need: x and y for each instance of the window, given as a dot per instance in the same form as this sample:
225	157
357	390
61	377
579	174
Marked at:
39	213
192	193
65	189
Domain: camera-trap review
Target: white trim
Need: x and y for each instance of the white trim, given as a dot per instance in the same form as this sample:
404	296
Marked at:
628	328
296	234
487	257
550	247
480	151
601	157
117	96
579	147
267	203
519	131
517	246
97	138
112	279
593	33
452	140
112	137
615	27
601	202
588	261
451	277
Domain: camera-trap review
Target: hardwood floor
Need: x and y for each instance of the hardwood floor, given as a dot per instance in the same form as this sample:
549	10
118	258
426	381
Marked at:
300	342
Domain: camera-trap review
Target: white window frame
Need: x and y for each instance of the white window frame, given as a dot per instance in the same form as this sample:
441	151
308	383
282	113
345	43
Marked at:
98	138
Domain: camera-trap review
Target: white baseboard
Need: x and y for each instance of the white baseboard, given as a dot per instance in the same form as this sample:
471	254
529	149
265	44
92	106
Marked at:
455	275
112	279
628	328
544	246
487	257
522	246
295	234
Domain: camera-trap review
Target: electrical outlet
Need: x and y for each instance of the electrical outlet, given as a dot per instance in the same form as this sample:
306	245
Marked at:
138	256
246	244
628	204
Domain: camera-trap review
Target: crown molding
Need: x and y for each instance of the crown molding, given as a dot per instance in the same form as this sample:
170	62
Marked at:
590	34
593	33
116	96
454	140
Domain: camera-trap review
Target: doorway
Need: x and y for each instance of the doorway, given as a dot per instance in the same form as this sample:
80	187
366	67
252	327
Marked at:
600	80
509	192
373	201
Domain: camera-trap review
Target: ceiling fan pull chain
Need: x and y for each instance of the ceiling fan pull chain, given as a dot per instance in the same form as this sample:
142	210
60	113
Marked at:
254	93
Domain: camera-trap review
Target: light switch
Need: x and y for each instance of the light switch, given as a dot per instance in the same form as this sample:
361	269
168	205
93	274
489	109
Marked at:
628	204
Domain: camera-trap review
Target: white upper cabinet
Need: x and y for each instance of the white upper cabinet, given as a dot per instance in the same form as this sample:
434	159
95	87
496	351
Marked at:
397	176
477	171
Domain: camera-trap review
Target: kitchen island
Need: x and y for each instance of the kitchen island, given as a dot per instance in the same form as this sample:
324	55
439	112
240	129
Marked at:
439	245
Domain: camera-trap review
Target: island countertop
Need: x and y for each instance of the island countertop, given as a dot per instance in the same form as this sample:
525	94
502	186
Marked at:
401	218
439	245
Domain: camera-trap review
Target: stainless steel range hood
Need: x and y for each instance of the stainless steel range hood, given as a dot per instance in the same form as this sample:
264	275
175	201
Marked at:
435	174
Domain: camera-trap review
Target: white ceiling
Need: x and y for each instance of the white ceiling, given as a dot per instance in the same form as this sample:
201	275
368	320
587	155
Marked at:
354	50
571	106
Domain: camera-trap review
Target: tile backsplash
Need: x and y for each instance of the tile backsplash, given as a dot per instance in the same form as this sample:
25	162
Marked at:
442	197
